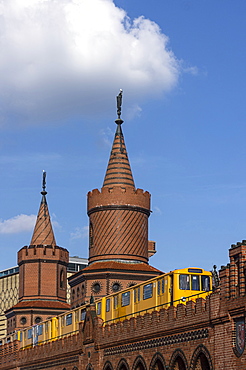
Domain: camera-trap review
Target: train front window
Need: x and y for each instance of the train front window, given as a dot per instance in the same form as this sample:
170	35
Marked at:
125	299
195	285
148	291
206	283
108	305
184	282
29	334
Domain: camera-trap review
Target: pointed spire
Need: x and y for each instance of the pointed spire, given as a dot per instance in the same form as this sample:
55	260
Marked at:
119	171
43	233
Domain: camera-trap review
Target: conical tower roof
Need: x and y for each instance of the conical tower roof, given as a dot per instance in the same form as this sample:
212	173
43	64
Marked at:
43	232
119	170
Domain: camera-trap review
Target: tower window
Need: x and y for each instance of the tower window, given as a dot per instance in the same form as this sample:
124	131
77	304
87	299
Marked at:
62	282
116	287
91	234
96	287
23	320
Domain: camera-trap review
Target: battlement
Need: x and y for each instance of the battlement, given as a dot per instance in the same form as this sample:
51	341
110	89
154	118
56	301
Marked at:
118	196
43	252
191	315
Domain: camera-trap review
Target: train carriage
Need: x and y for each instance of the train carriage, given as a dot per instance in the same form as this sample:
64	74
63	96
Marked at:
178	286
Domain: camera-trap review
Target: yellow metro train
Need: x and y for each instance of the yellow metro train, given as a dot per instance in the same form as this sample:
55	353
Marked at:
178	286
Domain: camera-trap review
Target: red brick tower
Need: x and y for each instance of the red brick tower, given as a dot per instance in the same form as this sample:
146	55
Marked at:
118	233
42	275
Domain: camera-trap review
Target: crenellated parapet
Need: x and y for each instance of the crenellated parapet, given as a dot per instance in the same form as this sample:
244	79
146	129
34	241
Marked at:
168	321
47	252
119	224
118	196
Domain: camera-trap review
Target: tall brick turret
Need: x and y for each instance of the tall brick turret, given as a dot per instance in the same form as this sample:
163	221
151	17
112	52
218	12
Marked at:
42	275
119	212
119	249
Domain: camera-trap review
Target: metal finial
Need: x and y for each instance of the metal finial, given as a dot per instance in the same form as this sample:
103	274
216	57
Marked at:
44	180
119	103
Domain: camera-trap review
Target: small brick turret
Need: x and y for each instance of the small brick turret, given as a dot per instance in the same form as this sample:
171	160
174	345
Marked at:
42	275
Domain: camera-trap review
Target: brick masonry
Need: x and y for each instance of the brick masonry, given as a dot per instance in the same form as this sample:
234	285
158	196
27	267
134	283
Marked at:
199	335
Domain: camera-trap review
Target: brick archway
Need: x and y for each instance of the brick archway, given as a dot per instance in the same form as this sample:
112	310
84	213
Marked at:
178	361
108	366
157	362
139	364
201	359
123	365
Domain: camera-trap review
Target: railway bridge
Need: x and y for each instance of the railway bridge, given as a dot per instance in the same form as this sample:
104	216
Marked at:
199	335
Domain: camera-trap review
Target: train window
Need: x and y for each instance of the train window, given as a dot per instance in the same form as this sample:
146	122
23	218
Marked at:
184	282
68	319
83	313
138	294
125	299
40	329
1	342
20	336
62	321
116	301
99	308
163	286
108	305
195	271
195	284
77	315
147	291
9	339
29	334
205	283
46	327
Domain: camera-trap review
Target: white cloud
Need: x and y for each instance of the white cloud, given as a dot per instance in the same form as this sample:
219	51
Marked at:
80	233
72	56
17	224
157	210
106	137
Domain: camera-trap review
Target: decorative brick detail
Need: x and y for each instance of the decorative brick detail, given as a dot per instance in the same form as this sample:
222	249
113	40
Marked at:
163	341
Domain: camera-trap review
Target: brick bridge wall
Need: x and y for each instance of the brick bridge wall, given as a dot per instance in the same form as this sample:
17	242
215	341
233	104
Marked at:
199	335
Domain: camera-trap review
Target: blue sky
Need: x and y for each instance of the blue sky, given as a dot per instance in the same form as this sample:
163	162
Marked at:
181	64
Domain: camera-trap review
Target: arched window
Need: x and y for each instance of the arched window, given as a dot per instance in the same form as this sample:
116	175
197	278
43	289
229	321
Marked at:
158	362
201	359
178	361
62	279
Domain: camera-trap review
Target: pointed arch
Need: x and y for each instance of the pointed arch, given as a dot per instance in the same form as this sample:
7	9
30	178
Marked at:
178	361
139	364
108	366
123	365
157	362
201	359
